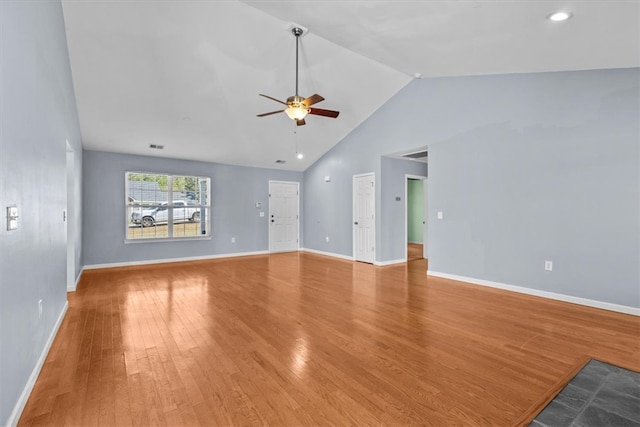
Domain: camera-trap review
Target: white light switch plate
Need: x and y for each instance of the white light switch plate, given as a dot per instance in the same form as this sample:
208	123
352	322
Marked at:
12	218
440	215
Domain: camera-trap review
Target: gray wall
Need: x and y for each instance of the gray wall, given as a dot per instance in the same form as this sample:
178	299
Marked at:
328	205
37	115
525	167
234	193
563	188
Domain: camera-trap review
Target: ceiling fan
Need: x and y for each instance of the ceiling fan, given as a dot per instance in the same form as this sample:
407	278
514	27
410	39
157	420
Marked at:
297	106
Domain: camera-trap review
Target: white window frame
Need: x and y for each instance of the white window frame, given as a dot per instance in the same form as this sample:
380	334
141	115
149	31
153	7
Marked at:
169	205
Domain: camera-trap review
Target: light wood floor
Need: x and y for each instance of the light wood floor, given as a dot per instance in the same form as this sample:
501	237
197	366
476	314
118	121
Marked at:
300	339
414	251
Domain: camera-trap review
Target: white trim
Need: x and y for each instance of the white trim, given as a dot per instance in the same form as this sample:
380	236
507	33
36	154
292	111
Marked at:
164	239
390	262
331	254
75	285
168	260
551	295
348	258
31	382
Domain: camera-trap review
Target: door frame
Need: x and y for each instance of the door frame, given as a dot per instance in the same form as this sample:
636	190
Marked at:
69	213
424	179
353	213
275	181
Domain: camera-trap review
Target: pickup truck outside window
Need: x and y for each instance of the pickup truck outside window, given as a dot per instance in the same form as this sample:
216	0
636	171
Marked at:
150	215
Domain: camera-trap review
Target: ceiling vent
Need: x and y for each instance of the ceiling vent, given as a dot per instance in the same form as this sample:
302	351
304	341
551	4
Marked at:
156	146
282	162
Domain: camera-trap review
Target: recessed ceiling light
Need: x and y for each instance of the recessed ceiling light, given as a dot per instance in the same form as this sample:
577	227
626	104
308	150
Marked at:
559	16
300	156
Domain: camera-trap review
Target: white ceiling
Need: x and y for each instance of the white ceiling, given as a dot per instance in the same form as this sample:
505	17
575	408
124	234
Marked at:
187	74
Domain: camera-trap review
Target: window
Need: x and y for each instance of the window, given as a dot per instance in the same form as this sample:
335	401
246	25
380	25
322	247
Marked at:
166	206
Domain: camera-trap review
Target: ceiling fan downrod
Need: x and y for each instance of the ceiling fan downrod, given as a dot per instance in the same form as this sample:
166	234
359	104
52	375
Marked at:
297	32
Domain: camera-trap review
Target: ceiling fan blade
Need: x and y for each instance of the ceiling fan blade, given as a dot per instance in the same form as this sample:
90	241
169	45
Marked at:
268	114
313	99
325	113
273	99
301	122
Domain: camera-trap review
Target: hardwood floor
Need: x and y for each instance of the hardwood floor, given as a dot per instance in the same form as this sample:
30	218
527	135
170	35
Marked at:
414	251
301	339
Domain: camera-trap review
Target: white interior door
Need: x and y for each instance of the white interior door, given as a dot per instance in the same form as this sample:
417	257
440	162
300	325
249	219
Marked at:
364	225
283	216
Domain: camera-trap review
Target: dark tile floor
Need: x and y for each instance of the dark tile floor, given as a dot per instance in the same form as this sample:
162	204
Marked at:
599	395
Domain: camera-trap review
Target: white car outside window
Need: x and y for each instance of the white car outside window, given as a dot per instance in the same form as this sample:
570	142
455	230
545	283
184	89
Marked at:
182	211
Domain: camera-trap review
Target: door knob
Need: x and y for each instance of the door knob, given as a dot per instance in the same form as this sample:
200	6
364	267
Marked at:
273	220
356	223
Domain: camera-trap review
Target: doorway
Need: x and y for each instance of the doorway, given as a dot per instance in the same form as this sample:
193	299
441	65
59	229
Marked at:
364	222
416	201
69	216
284	219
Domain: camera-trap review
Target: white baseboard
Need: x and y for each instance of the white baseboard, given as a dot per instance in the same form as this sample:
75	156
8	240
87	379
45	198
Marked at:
31	382
551	295
75	285
391	262
331	254
348	258
168	260
201	258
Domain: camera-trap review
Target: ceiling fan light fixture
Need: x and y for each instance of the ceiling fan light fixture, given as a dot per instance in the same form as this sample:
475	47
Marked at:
559	16
298	112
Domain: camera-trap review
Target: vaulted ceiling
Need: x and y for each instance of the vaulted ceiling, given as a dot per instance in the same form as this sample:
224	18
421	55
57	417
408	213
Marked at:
186	74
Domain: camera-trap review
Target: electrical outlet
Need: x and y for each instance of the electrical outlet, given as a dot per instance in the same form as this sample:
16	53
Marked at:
548	265
39	309
327	239
233	240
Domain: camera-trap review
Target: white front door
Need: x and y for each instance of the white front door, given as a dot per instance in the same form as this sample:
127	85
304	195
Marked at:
364	224
283	216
